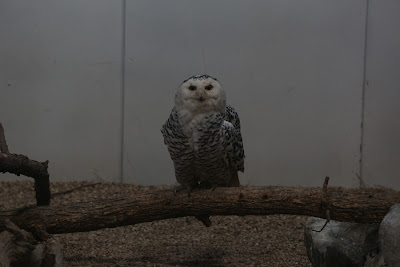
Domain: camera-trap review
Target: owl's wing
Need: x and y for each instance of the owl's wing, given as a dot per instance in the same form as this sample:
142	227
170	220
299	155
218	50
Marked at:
232	140
232	116
179	151
173	134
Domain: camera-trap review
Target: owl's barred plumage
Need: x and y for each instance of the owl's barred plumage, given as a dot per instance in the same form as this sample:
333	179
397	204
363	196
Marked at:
203	135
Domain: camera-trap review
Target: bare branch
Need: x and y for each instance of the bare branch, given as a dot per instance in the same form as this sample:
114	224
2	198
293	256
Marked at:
325	204
3	143
21	164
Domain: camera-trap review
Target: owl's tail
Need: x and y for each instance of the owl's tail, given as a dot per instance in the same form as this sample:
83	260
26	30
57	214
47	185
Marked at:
234	179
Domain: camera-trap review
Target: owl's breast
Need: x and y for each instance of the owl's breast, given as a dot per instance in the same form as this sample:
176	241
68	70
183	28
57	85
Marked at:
199	128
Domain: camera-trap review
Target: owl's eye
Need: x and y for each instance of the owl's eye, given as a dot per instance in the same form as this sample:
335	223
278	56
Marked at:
192	88
209	87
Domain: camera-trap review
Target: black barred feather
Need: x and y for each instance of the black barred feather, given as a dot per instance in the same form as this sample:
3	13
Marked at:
216	152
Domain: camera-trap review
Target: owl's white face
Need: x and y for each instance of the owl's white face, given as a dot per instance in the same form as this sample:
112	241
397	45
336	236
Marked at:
200	94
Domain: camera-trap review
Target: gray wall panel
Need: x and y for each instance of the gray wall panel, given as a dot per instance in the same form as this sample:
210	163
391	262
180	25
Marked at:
293	70
382	96
60	85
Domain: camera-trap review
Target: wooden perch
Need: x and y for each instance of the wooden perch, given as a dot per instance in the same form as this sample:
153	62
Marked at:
351	205
21	164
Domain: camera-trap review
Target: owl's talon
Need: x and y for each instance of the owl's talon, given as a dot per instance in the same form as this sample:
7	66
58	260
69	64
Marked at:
177	189
189	189
204	185
213	188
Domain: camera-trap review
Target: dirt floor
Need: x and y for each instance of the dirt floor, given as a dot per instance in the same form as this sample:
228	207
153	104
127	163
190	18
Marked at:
231	240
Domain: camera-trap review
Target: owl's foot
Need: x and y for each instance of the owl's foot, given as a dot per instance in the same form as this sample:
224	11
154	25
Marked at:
177	189
205	185
189	189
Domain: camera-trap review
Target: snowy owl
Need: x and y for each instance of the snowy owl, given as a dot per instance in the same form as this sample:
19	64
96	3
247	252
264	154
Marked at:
203	135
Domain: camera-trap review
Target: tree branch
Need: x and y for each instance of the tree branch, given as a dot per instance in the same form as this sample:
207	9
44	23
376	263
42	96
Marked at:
3	143
351	205
21	164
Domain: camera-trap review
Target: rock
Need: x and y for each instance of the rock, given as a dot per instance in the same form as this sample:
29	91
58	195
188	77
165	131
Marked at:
339	243
389	240
19	248
47	255
374	260
389	236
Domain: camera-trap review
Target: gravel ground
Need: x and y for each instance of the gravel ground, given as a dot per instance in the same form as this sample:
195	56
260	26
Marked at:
231	240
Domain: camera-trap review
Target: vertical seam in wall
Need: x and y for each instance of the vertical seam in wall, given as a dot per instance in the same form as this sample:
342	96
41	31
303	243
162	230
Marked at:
363	91
122	129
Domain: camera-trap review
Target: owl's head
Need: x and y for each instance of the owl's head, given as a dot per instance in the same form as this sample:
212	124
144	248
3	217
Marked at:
200	93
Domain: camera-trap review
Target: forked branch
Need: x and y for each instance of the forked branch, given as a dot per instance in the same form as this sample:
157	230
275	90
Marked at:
21	164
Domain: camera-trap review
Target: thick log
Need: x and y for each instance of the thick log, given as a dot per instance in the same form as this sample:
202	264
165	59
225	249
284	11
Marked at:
351	205
21	164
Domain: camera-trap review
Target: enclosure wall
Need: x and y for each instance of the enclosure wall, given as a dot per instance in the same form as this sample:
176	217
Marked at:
87	85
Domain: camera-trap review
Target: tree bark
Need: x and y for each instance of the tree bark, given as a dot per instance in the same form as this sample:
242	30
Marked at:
21	164
351	205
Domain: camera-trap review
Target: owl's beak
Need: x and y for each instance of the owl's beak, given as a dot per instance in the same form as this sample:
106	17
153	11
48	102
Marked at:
201	98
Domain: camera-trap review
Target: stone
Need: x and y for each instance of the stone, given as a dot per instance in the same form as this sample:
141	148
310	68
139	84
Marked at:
389	240
339	243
